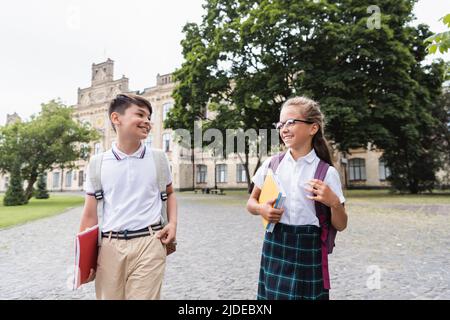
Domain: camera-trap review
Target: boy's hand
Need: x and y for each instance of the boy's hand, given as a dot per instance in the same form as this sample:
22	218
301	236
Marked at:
322	193
168	233
91	276
268	212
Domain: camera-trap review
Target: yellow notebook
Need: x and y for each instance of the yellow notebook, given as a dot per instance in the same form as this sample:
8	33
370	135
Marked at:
270	190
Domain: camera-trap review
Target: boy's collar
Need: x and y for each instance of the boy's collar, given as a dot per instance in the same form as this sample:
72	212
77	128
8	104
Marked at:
140	152
308	158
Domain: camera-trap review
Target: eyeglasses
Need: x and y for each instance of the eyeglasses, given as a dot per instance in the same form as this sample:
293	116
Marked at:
289	123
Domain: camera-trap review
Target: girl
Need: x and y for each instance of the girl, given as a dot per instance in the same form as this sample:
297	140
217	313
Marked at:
294	261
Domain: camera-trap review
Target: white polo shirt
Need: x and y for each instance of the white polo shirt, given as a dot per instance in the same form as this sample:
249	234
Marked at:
131	195
293	176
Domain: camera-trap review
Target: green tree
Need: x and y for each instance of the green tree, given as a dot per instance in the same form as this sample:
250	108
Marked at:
440	41
52	138
365	69
15	195
41	192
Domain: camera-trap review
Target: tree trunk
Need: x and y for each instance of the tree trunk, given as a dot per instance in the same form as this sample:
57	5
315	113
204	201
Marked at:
247	173
414	186
193	167
62	179
31	181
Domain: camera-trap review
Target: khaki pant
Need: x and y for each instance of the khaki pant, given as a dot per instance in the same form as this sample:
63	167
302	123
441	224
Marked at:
130	269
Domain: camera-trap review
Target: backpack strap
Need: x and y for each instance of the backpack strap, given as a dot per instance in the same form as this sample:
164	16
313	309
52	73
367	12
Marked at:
160	161
161	164
95	176
328	232
275	161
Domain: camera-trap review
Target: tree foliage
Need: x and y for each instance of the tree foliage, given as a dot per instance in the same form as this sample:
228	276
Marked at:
52	138
15	195
364	66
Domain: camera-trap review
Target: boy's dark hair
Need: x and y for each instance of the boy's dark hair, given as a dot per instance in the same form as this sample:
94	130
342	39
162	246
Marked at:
123	101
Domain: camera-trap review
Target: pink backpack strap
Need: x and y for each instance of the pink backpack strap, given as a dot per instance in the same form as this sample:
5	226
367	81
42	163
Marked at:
328	232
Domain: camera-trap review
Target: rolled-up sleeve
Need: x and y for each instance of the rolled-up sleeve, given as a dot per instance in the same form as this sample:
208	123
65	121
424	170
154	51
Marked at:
258	178
333	180
88	187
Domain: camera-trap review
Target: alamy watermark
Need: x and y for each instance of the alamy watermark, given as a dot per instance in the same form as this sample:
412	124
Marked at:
374	21
235	141
374	280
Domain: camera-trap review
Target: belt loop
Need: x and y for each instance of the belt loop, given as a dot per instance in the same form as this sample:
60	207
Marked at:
109	237
152	232
117	235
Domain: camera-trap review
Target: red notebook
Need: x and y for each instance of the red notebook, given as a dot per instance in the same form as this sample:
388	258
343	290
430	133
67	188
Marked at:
86	251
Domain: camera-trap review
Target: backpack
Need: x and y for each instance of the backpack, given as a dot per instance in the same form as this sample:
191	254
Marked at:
328	233
160	161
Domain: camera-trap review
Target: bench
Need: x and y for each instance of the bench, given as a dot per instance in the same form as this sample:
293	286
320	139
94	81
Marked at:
202	190
217	191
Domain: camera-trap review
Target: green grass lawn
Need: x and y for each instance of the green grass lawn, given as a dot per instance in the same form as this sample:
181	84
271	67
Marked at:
384	196
237	197
37	209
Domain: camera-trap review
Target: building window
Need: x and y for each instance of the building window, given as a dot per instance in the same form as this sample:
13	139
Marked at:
166	142
55	180
148	141
221	173
240	173
68	179
166	108
201	173
384	171
357	169
97	148
80	178
6	183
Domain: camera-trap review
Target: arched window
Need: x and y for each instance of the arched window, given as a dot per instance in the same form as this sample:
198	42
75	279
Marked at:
68	179
221	173
357	169
166	108
56	180
383	170
240	173
166	142
201	173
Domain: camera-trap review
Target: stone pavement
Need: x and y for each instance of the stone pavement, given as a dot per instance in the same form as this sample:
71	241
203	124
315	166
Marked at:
385	253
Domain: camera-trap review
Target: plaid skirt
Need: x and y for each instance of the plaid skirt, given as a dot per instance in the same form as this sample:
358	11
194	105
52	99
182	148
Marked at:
291	264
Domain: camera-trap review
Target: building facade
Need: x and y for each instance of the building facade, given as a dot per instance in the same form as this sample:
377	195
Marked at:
361	168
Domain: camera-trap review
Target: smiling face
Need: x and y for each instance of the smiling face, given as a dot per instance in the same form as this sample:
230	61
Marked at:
299	134
134	123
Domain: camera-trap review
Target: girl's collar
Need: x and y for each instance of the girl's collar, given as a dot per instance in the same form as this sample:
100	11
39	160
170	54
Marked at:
310	157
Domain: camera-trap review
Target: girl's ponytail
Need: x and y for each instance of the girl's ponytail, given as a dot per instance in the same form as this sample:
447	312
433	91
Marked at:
310	109
321	147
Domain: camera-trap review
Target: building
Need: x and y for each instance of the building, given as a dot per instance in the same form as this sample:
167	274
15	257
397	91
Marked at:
362	168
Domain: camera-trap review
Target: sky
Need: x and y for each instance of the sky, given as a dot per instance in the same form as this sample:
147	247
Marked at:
47	47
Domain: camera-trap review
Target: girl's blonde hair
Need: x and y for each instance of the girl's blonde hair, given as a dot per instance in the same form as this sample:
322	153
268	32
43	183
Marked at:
310	110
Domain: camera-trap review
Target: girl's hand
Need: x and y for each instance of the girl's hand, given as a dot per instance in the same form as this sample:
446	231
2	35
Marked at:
322	193
268	212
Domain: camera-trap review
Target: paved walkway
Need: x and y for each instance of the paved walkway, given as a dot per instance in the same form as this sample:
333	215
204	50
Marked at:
383	254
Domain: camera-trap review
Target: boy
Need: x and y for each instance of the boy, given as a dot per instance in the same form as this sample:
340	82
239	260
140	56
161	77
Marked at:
132	255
